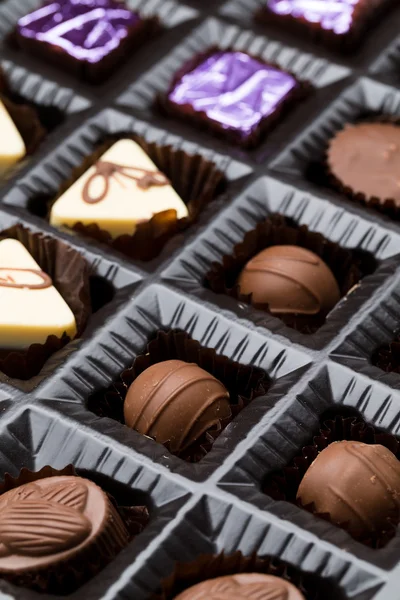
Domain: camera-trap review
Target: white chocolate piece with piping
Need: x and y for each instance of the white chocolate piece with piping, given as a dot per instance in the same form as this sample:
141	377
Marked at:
125	201
27	315
12	147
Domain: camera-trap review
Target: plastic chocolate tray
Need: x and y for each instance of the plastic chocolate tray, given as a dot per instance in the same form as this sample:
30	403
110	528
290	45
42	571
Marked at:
219	505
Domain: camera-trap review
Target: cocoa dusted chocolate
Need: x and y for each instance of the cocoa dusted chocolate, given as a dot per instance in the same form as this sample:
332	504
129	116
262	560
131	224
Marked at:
175	403
233	92
357	485
365	159
252	586
290	280
57	523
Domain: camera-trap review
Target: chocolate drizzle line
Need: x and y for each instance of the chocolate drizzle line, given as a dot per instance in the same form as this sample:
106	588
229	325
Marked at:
107	170
8	281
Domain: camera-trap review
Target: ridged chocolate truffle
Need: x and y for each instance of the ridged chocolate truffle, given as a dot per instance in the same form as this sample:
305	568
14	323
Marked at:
291	280
52	523
357	484
253	586
175	402
366	159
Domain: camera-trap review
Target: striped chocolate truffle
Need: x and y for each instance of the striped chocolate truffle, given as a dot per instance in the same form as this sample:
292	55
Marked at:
290	280
175	402
356	484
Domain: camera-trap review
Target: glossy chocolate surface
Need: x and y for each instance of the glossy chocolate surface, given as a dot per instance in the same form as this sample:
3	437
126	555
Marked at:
87	30
332	15
50	520
245	586
366	159
234	90
356	484
176	402
291	280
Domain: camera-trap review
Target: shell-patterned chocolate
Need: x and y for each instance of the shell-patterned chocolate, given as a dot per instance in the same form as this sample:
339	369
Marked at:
40	528
244	586
35	522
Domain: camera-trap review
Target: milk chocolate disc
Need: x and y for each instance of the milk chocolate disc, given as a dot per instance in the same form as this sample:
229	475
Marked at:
356	484
291	280
176	402
53	520
366	159
244	586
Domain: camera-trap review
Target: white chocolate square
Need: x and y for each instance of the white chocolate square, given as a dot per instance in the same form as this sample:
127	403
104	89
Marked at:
12	147
27	315
125	198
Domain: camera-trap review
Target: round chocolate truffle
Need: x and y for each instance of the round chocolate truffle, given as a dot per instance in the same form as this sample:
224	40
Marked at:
254	586
356	484
52	522
366	159
176	402
291	280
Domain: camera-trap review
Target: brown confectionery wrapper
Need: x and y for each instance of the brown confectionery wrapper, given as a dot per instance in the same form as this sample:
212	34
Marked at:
210	566
344	43
70	274
388	206
195	179
243	382
25	117
348	266
387	356
66	576
283	485
200	119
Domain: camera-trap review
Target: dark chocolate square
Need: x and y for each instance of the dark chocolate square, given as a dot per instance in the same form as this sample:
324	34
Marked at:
339	23
232	93
87	37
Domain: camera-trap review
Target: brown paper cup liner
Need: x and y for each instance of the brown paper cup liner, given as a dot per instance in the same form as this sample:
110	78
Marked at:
343	43
208	566
387	356
94	73
284	484
24	116
67	575
244	383
70	274
348	266
388	206
200	119
195	179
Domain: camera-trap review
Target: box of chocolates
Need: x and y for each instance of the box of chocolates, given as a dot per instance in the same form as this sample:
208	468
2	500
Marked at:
200	299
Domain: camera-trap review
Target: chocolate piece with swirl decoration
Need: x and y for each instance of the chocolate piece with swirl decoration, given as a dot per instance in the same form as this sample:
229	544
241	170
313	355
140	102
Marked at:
244	586
87	36
290	280
53	521
31	309
233	92
356	485
176	403
122	189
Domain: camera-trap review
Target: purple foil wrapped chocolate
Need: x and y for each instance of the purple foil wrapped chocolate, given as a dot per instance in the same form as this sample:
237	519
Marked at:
234	90
87	30
332	15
